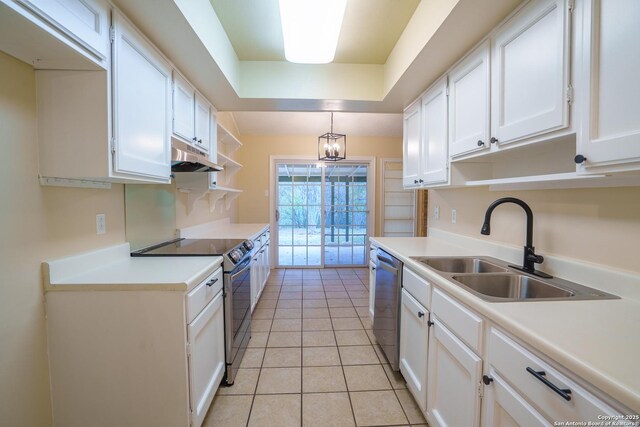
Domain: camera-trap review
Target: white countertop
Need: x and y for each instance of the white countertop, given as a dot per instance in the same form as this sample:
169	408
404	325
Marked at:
223	230
597	340
113	269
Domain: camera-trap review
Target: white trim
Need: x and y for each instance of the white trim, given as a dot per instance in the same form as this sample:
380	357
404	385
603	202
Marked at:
381	191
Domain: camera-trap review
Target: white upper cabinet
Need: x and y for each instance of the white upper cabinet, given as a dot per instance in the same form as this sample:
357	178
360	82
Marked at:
86	21
530	72
469	120
184	97
411	146
434	159
202	123
141	105
610	76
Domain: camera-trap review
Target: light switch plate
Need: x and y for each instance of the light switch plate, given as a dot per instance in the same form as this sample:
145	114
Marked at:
101	224
436	213
453	216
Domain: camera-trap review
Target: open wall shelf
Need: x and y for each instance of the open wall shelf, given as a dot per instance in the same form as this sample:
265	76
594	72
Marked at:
226	139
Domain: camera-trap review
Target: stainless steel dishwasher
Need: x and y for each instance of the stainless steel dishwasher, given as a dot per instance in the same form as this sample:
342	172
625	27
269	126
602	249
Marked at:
386	315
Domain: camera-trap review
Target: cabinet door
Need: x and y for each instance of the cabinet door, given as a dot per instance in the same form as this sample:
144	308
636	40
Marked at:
254	281
411	134
435	160
372	288
414	333
267	265
530	72
453	381
611	69
141	106
183	108
203	123
504	407
85	21
206	358
469	95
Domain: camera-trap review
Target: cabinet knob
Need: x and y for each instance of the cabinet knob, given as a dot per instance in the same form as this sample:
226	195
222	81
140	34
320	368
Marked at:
494	140
579	159
480	143
415	181
429	323
199	141
194	139
486	379
420	314
421	181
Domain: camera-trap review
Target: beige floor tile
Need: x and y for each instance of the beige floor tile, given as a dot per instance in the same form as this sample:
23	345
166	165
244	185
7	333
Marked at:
286	325
252	358
263	313
370	334
288	313
291	287
411	409
357	294
340	302
315	313
337	294
376	408
352	337
276	411
313	295
327	409
396	379
352	281
228	411
267	303
343	312
260	325
317	325
279	380
358	355
331	281
320	356
366	377
333	288
244	383
367	323
258	339
269	295
285	339
290	303
346	323
362	311
314	303
315	287
285	294
318	339
360	302
322	379
282	357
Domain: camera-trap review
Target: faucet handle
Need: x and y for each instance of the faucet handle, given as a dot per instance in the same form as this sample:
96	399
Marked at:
538	259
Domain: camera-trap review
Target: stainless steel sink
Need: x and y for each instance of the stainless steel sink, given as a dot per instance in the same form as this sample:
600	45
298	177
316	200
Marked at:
461	265
495	281
512	286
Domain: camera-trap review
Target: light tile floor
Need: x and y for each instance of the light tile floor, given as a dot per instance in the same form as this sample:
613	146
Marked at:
313	360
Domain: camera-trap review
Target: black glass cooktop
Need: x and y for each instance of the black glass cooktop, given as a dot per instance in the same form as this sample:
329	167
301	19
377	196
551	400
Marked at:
190	247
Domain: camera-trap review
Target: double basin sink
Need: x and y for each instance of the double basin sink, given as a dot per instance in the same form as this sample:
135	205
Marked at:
494	280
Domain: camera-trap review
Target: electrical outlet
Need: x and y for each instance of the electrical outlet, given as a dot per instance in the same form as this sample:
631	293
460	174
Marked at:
436	213
453	216
101	224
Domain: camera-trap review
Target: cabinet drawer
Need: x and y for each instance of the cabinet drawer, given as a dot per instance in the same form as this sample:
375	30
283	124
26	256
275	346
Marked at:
462	321
511	360
372	253
200	296
419	288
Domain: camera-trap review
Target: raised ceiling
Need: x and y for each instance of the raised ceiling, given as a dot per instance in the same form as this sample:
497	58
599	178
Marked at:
370	29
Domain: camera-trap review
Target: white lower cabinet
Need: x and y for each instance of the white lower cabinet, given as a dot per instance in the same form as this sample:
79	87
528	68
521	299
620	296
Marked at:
260	267
454	376
148	358
254	279
504	407
414	341
206	358
372	288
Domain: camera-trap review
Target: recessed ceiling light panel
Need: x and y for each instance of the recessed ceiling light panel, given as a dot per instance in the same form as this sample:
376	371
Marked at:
311	29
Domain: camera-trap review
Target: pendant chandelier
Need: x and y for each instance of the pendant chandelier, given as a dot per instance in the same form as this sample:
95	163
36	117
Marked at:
332	146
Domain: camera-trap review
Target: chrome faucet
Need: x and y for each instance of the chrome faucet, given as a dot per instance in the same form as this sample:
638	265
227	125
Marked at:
530	258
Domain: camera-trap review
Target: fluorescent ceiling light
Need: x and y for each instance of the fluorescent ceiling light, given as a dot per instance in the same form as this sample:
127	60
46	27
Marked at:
311	29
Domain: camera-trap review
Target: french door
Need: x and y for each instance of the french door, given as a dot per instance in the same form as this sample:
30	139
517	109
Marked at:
322	213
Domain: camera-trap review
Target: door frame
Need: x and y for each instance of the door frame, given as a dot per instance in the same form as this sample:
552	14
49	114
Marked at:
275	159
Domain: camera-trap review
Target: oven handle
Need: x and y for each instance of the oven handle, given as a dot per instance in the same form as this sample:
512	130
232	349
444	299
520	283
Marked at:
240	268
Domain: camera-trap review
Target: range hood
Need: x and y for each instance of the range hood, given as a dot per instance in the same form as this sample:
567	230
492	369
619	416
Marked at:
185	158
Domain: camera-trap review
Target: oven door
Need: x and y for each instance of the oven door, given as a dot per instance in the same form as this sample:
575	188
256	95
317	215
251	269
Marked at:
237	316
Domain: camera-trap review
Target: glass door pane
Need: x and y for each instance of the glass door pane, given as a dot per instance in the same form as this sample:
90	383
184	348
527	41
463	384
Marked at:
346	214
299	204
